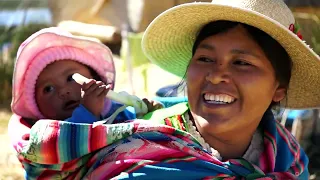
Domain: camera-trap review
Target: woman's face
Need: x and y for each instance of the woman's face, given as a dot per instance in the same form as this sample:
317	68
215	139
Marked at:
230	83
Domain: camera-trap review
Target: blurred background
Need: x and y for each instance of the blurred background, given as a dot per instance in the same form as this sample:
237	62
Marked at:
120	24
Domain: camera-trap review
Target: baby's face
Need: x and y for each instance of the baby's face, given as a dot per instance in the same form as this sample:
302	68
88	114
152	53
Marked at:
57	94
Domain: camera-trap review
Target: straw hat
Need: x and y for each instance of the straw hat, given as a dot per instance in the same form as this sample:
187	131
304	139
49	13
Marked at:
169	38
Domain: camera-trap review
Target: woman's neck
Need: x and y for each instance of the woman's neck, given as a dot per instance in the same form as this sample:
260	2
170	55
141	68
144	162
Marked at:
229	144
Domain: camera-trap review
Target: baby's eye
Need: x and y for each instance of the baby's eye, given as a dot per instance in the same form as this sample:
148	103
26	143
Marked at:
69	79
48	89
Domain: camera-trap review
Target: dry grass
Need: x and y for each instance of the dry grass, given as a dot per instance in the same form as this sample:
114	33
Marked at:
9	165
4	118
11	173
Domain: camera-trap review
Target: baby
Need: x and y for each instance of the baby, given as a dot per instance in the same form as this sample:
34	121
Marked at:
44	91
43	87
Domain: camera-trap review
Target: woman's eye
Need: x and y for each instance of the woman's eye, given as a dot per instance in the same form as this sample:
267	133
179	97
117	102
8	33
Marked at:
242	63
204	59
48	89
70	78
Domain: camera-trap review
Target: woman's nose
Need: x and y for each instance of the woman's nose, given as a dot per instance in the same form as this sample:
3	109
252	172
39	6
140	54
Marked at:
218	74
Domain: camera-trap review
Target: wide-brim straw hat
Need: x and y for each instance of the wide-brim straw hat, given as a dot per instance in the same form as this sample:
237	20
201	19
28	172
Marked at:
169	38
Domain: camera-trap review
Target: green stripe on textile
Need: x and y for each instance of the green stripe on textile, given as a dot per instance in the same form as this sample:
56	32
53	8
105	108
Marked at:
160	114
271	139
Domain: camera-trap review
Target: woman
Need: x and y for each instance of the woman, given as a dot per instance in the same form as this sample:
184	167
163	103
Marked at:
238	58
234	73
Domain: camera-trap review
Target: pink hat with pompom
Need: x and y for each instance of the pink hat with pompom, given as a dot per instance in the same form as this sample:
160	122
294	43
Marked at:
45	47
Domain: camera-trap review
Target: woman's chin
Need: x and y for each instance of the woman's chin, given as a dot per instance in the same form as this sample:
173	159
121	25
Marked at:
219	113
216	122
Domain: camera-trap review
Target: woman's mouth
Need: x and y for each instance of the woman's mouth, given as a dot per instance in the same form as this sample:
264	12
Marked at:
222	99
70	105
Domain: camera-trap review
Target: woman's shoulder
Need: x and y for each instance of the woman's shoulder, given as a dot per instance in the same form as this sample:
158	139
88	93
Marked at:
289	153
286	136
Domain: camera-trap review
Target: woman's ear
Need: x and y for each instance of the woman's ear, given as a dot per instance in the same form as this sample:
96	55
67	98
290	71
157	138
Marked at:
279	94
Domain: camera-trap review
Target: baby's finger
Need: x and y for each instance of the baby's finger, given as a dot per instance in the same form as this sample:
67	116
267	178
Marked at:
148	103
92	88
158	106
99	90
100	83
86	86
105	90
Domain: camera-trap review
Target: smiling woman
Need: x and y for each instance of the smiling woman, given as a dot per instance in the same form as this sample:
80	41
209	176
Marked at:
239	58
224	78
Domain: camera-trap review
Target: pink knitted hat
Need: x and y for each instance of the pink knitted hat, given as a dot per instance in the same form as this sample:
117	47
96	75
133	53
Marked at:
45	47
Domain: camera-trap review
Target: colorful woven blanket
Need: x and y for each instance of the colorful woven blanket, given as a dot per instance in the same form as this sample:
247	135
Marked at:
158	148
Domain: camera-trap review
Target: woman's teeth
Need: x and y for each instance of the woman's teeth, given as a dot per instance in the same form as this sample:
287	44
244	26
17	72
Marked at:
219	99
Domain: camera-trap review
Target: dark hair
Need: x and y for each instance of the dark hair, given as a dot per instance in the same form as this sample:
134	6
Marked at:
277	55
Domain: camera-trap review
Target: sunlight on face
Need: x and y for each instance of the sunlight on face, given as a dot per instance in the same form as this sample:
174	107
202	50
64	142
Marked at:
230	82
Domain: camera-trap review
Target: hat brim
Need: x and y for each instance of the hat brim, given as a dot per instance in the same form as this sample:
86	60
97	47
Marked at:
168	42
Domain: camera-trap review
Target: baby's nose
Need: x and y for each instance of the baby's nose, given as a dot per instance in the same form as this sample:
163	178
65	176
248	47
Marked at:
64	93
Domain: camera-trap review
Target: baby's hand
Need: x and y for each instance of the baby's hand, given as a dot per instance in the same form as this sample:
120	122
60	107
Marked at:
94	95
152	106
